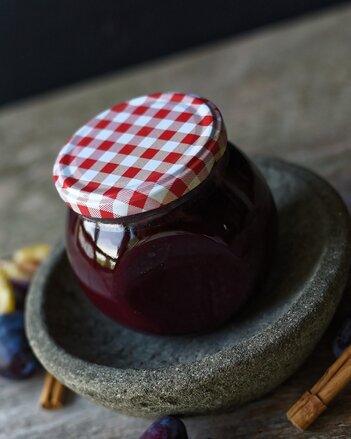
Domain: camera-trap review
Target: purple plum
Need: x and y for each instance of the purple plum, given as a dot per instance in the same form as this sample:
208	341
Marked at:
167	427
343	337
16	358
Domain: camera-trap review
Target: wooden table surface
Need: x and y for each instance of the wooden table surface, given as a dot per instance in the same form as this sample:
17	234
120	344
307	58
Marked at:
284	91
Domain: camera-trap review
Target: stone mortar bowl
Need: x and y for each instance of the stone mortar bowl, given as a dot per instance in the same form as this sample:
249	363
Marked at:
147	375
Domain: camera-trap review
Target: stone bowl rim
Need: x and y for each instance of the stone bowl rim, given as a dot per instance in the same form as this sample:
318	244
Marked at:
223	361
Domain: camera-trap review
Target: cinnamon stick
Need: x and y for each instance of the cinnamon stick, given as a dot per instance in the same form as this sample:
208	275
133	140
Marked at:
315	401
52	395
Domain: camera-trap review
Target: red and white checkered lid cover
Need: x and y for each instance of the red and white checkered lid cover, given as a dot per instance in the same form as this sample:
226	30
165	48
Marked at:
139	155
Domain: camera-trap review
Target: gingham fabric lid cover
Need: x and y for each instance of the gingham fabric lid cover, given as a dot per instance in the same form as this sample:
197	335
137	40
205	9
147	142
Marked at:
139	155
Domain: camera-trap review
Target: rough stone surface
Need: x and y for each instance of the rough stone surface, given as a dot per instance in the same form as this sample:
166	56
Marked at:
148	375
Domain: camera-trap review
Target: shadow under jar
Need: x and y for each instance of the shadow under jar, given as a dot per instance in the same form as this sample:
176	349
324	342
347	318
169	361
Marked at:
186	266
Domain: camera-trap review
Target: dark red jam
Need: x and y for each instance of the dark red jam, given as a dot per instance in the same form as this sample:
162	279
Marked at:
186	267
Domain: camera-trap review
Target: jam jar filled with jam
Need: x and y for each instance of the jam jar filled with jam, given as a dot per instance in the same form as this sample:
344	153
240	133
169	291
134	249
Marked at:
170	226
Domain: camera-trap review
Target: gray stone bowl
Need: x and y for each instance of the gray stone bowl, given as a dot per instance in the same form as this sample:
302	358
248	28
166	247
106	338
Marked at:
148	375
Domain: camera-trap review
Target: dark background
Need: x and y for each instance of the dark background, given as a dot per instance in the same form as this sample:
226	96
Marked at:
45	44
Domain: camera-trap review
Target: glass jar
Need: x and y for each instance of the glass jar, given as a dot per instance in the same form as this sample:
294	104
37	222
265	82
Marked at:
186	266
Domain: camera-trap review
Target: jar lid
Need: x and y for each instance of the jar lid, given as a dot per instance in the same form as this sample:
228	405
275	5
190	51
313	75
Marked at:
140	154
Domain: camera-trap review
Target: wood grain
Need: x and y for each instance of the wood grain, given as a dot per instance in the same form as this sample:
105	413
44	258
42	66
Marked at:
284	91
